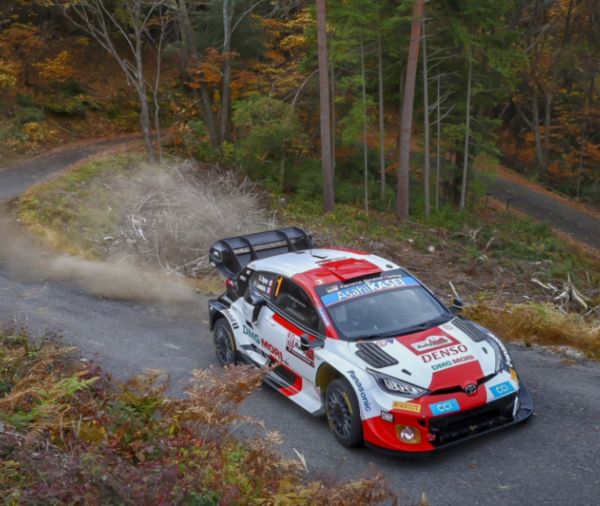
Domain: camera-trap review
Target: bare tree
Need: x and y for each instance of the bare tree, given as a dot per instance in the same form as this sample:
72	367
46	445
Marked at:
130	28
381	120
463	189
402	192
325	104
427	164
365	125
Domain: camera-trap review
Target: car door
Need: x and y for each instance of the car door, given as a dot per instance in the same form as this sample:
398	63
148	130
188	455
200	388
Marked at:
294	315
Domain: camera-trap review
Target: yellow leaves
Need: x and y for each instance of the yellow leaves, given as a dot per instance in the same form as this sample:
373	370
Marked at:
57	69
9	71
292	42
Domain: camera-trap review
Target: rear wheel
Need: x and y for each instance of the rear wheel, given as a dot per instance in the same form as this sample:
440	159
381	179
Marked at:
224	342
343	413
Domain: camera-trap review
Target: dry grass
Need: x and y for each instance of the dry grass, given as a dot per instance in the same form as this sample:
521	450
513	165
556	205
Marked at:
540	324
178	211
163	217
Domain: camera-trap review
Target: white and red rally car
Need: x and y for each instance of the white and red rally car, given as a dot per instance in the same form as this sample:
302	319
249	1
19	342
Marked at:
360	339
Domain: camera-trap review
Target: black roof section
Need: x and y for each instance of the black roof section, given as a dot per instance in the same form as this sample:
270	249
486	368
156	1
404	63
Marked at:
231	255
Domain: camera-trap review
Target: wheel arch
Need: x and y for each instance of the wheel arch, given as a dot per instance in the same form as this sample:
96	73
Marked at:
216	310
326	374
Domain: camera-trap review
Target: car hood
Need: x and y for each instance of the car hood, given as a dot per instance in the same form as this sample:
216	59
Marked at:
452	355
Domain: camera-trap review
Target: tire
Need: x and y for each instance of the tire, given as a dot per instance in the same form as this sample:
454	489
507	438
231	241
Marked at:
224	343
343	413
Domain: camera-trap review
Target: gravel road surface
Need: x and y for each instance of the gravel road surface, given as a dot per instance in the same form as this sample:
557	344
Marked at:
543	207
553	459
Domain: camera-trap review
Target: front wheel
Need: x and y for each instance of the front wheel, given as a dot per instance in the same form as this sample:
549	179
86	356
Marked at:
343	413
224	342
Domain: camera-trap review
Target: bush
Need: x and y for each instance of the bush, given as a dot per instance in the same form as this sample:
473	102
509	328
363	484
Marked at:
71	436
541	324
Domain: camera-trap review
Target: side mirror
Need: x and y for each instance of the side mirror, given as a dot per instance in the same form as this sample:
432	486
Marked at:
457	305
257	302
306	344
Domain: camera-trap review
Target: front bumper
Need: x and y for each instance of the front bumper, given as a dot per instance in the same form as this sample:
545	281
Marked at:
445	431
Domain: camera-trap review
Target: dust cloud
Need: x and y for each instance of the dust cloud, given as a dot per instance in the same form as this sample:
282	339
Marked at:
29	260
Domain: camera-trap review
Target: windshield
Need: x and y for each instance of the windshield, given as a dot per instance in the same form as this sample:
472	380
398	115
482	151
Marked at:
381	307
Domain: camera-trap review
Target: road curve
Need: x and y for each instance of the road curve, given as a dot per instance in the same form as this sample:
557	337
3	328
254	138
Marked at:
543	207
553	459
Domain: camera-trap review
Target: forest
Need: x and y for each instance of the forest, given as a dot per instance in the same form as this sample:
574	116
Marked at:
392	104
137	134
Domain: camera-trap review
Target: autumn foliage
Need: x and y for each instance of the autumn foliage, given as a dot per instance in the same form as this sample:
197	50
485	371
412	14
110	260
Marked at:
68	434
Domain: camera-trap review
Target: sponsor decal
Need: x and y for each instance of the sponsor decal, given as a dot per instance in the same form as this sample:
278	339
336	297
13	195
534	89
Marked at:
361	391
407	406
502	389
447	357
272	349
251	334
432	342
382	343
444	407
294	347
264	284
367	287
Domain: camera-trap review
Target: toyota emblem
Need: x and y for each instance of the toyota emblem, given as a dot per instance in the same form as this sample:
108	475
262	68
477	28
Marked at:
471	389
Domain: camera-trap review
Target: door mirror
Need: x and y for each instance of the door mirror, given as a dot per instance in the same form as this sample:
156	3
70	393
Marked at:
307	344
257	301
457	305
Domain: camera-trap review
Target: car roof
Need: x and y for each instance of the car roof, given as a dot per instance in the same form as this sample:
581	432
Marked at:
325	265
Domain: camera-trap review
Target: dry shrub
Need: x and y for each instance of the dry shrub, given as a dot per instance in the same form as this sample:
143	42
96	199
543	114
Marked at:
100	443
177	211
540	323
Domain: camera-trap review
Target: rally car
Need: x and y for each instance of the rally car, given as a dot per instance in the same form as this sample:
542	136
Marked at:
361	340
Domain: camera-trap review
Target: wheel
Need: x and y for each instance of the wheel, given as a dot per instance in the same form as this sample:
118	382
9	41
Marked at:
343	413
224	342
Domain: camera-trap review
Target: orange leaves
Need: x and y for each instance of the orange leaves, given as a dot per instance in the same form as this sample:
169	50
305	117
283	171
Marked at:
57	69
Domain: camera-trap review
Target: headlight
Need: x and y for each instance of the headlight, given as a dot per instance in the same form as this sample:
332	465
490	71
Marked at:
503	360
396	386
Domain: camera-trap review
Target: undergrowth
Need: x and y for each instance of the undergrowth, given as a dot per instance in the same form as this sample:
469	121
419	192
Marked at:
539	324
69	435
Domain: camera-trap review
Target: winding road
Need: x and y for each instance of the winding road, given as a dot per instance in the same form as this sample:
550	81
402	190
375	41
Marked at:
543	207
553	459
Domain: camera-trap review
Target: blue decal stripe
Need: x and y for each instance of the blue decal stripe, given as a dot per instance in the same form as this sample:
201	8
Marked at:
502	389
368	287
444	407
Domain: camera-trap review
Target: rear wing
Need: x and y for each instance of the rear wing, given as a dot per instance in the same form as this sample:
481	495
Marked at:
231	255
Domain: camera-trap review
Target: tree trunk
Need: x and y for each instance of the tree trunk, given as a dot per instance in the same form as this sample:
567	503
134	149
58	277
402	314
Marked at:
427	166
333	122
547	116
364	114
185	29
141	86
465	172
325	104
539	149
381	122
225	87
209	117
402	197
282	171
437	155
156	86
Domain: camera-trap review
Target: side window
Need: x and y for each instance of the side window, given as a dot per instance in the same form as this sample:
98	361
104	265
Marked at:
261	282
293	301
